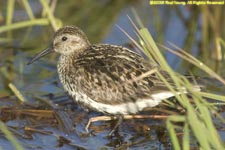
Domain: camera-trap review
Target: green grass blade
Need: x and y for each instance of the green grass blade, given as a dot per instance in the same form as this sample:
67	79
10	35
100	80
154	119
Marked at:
213	96
186	138
173	136
17	92
10	10
10	136
198	129
50	15
172	131
28	9
23	24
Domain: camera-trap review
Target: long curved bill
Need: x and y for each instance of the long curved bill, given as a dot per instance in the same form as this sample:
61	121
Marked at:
41	54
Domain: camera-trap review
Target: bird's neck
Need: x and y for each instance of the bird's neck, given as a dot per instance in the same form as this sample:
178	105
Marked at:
64	68
65	60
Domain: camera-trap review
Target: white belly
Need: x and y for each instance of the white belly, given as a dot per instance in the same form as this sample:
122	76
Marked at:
125	108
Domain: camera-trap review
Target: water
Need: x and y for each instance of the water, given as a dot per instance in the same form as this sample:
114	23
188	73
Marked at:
99	21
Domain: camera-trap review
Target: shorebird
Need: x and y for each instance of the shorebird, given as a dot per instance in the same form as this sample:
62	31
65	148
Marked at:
106	78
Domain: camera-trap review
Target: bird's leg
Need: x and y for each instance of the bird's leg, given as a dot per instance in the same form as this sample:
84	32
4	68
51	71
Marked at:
106	118
119	121
99	118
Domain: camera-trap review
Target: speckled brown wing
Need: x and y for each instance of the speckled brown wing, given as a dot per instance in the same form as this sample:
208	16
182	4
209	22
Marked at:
105	74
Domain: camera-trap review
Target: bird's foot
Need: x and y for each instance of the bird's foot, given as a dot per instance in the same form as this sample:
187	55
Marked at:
99	118
119	121
120	118
105	118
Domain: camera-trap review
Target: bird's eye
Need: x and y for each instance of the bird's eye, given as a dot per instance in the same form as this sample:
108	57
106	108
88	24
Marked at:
64	38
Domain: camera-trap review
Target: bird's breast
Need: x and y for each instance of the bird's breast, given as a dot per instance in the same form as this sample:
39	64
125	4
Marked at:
67	75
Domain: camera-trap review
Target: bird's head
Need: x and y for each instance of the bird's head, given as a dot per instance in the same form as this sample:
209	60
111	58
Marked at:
67	40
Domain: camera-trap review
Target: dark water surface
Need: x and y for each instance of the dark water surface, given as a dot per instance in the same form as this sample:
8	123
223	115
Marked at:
40	85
